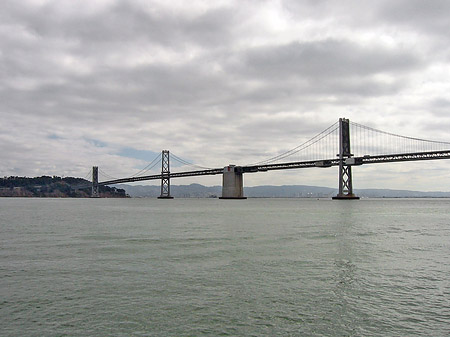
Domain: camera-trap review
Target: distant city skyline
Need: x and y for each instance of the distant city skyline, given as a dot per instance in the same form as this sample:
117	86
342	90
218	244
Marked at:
112	83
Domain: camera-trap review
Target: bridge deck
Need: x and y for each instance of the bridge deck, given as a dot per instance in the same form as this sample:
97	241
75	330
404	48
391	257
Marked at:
389	158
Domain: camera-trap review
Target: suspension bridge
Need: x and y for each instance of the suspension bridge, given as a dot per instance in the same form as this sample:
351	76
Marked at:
331	147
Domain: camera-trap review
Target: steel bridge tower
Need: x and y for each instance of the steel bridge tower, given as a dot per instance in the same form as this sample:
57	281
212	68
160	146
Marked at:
345	170
95	193
165	175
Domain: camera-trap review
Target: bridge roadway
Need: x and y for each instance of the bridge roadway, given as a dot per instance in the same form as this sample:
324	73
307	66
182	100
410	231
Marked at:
354	161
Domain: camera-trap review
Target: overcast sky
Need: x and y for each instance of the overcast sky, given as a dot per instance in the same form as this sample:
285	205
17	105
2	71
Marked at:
112	83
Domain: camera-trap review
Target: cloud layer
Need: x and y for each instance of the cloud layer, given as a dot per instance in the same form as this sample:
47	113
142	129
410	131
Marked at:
87	83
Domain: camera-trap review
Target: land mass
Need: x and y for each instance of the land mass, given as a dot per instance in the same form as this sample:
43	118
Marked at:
70	187
56	187
286	191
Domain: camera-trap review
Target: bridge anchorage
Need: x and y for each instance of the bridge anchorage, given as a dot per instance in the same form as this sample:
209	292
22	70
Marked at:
233	183
371	147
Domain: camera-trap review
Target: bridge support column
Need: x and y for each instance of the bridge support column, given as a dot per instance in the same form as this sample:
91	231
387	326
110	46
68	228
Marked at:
232	183
165	175
94	193
345	171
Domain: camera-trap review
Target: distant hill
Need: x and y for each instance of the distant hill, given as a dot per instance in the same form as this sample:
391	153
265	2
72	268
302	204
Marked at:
179	191
286	191
47	186
57	187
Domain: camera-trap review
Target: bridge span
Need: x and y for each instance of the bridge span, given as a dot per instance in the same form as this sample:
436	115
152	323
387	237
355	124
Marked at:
232	181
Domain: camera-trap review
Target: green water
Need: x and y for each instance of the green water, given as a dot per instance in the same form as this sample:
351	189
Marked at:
208	267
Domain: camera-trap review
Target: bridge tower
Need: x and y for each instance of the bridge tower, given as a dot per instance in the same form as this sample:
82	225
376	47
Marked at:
165	175
95	193
232	183
345	170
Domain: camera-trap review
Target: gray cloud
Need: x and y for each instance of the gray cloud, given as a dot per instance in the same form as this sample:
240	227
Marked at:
328	59
440	106
232	82
429	17
120	21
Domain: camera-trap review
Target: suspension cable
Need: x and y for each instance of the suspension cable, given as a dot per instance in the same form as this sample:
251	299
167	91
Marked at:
149	166
106	175
86	177
397	135
184	162
302	146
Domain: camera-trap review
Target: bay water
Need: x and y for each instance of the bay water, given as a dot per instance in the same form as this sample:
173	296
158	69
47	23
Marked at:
209	267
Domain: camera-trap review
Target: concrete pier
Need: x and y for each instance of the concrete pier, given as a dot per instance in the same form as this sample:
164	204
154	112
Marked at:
232	183
345	197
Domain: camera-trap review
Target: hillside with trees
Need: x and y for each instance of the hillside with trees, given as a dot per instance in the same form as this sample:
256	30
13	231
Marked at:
54	187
